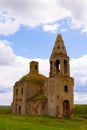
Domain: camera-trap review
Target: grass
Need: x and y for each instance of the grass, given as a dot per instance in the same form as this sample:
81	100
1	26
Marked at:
26	122
80	109
4	110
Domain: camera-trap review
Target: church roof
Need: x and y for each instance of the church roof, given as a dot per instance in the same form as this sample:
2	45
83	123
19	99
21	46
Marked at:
59	47
38	97
34	77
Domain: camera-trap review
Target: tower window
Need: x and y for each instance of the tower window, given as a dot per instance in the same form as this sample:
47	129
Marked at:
21	91
58	65
65	65
66	88
36	67
58	47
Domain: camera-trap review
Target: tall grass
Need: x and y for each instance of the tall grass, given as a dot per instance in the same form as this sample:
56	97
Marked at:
9	121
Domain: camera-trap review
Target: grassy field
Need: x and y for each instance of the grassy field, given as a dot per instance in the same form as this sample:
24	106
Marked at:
20	122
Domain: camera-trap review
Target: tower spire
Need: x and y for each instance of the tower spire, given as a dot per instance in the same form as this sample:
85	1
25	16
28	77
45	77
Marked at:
59	47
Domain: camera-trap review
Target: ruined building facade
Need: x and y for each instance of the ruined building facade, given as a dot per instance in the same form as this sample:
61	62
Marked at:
36	94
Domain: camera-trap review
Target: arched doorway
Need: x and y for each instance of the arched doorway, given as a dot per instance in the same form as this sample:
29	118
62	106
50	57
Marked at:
16	108
66	108
19	109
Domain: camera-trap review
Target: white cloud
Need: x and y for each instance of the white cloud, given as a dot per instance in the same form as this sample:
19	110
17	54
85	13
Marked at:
63	30
29	13
6	98
77	10
41	12
79	71
8	25
52	28
80	98
6	53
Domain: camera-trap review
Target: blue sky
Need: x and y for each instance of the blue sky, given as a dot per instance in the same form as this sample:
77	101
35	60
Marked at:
35	42
28	29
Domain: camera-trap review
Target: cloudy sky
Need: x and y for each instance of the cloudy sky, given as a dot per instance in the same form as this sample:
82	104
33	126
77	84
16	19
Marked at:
28	29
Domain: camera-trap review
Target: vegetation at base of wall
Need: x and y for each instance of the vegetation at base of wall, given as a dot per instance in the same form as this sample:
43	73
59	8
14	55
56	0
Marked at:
79	109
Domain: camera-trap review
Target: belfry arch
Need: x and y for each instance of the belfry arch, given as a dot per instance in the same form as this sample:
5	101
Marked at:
57	65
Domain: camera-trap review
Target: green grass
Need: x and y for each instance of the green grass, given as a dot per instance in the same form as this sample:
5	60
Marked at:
80	109
26	122
4	109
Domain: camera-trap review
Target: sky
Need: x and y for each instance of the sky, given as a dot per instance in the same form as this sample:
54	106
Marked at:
28	29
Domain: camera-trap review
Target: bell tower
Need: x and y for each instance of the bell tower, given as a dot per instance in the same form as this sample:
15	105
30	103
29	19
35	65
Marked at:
59	85
59	61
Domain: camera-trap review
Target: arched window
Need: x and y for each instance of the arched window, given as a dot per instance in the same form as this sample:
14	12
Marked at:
65	66
58	65
66	88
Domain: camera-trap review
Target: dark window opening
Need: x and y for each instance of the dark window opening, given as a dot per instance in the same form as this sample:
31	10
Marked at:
15	108
58	65
21	91
65	88
65	65
36	67
19	109
58	47
16	91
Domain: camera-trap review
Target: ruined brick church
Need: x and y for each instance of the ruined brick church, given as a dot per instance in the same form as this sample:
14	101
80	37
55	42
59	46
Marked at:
36	94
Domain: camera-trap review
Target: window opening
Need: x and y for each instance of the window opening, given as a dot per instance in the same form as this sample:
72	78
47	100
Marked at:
58	65
21	91
58	47
65	65
16	91
36	67
65	88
